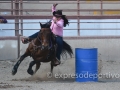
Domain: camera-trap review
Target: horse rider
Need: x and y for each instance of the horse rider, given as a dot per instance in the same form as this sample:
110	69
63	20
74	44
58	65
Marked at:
58	22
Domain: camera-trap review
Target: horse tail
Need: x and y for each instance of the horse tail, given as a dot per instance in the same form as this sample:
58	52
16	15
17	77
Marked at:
67	49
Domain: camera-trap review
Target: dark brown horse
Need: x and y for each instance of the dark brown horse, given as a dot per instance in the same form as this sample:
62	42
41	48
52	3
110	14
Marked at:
42	49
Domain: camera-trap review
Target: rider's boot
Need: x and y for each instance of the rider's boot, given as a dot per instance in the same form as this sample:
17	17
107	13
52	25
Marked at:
57	62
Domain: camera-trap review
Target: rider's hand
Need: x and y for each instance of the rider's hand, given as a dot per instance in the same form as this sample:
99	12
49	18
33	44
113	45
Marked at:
55	4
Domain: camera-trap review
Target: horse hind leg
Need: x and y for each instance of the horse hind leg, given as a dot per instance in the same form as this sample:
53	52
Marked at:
52	66
14	70
49	74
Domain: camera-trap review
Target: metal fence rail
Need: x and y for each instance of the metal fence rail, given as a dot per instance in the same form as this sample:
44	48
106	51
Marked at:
17	10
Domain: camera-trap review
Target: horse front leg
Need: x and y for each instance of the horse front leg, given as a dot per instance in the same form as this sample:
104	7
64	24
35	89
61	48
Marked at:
30	71
37	66
14	70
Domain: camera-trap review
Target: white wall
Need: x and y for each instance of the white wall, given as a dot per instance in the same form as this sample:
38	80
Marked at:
108	49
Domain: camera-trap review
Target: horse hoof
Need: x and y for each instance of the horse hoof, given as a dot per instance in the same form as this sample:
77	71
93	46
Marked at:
14	72
30	72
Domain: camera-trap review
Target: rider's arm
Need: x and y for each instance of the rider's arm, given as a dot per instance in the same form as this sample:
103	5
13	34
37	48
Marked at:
34	35
54	7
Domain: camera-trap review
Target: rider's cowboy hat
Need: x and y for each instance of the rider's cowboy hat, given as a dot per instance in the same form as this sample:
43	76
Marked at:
58	13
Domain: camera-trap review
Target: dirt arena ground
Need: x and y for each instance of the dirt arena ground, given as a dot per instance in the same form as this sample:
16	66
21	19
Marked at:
40	81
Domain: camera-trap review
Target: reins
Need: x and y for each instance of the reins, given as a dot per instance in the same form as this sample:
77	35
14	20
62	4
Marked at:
40	46
35	46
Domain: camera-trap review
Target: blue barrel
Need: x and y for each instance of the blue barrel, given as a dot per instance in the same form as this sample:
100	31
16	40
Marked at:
86	64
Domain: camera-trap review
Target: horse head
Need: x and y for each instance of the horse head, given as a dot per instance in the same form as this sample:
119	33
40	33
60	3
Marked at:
45	35
46	25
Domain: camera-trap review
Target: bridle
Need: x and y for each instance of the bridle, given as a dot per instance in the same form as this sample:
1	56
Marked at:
42	47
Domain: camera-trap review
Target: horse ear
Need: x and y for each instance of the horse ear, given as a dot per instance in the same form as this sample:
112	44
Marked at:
40	24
